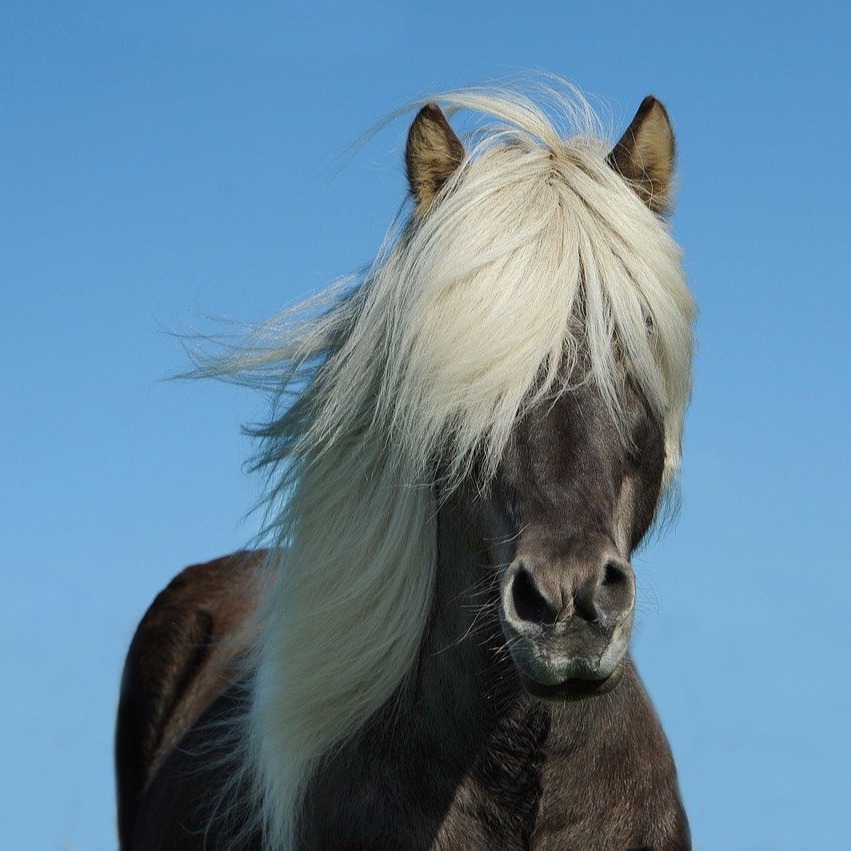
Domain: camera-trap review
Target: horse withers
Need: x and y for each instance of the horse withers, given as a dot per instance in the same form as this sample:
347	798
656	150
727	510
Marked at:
467	444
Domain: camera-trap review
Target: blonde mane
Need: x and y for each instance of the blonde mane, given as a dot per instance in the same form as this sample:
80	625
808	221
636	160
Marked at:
535	250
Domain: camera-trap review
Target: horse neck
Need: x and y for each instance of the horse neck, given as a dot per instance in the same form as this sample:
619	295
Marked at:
463	662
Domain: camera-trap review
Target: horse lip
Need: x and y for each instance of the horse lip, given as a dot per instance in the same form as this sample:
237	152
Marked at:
577	688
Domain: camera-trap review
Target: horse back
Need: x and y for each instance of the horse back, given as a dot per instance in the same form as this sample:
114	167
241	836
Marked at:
188	650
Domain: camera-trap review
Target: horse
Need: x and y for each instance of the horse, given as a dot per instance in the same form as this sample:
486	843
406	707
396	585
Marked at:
467	444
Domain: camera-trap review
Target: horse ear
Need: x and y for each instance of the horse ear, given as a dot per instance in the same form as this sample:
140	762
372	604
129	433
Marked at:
432	155
645	155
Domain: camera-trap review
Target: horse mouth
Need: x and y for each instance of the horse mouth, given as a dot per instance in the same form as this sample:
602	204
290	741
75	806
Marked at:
572	689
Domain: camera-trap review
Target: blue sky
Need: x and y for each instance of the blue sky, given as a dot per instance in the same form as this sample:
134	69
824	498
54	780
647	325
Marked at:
166	161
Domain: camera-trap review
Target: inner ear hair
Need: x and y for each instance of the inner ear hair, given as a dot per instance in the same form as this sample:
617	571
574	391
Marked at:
645	155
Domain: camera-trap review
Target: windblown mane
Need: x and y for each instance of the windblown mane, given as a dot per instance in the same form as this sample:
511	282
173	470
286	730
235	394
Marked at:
535	250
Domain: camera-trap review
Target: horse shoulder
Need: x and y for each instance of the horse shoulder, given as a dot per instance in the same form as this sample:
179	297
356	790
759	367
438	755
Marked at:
185	653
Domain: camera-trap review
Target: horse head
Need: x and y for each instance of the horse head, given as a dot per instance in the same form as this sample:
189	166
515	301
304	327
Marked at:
580	478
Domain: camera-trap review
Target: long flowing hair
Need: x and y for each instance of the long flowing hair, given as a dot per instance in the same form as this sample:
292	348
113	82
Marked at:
535	250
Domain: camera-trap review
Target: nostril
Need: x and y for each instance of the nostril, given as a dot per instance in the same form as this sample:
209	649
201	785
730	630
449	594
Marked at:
616	594
614	574
529	604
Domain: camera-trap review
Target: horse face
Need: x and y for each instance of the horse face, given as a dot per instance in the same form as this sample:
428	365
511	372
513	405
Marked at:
572	500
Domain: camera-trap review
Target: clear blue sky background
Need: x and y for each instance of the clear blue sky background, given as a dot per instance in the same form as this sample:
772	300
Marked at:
164	160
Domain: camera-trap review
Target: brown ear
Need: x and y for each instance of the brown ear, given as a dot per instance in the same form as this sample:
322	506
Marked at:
432	155
645	155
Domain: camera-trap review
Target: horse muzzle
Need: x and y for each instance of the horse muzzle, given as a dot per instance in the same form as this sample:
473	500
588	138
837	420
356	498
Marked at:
568	626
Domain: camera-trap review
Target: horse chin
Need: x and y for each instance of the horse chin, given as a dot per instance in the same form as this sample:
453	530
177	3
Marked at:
572	689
